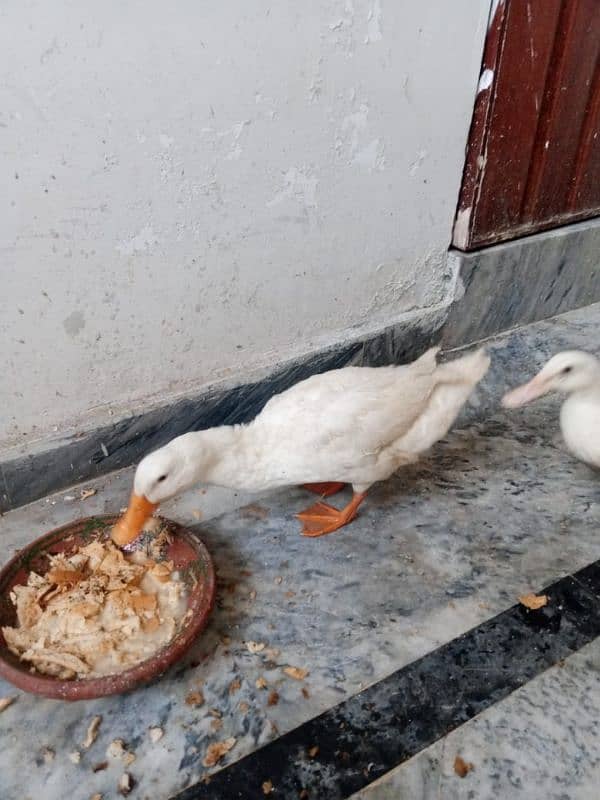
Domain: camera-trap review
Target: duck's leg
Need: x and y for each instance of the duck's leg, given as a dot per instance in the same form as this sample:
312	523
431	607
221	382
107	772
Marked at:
324	489
322	518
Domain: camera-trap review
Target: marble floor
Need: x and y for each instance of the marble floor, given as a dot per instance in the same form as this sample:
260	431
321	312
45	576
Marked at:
541	743
496	510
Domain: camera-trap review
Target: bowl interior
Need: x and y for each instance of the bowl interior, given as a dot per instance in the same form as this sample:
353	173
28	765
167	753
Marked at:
189	556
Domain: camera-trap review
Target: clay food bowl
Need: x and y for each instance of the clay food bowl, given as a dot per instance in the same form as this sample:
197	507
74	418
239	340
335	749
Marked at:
190	557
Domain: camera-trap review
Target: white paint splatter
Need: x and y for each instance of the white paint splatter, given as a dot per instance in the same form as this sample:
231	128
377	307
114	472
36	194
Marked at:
370	156
235	132
415	164
374	23
354	124
485	80
298	186
143	242
461	227
166	141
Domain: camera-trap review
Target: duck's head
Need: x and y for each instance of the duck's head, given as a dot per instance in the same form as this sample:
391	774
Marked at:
567	372
159	476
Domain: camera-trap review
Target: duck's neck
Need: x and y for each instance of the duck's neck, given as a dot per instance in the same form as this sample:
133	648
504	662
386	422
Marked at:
222	455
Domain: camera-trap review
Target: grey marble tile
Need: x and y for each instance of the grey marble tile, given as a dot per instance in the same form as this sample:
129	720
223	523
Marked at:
532	278
541	743
436	551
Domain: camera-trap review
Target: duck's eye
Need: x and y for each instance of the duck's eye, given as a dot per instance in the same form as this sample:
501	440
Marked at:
566	370
162	478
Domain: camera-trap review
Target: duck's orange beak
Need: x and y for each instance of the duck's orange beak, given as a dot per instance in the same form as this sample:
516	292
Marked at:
132	522
537	387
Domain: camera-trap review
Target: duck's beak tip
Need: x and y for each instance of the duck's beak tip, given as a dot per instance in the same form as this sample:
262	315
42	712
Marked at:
128	527
525	394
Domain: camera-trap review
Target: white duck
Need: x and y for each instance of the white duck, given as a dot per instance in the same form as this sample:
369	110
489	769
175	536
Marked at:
353	425
576	375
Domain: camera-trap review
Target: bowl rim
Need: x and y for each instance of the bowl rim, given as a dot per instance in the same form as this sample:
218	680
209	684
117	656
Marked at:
144	672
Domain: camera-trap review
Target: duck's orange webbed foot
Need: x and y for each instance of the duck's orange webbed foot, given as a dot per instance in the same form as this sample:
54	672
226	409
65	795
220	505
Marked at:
322	518
324	489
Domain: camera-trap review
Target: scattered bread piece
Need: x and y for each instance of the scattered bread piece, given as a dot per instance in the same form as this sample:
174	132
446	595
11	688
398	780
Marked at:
126	784
5	702
217	750
195	699
156	733
297	673
462	767
533	601
92	732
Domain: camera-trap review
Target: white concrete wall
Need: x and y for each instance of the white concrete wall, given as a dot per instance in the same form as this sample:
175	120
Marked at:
192	191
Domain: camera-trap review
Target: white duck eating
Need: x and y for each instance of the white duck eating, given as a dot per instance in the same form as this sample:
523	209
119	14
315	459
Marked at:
354	425
576	375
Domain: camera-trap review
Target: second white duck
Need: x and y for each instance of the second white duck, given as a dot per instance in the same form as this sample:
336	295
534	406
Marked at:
355	425
576	375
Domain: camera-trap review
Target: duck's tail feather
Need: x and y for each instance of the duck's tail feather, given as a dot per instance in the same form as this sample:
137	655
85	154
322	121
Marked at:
468	369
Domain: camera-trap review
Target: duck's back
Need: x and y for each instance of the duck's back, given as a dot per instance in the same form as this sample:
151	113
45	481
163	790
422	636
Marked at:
371	404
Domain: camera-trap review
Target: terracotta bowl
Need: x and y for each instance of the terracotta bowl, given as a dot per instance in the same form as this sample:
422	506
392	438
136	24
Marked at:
189	556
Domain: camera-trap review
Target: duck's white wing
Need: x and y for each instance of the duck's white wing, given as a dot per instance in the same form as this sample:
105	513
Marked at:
371	406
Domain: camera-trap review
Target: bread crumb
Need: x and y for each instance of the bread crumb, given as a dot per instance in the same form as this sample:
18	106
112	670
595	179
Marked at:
92	732
48	755
96	797
85	493
312	752
533	601
260	683
100	766
217	750
216	724
297	673
305	693
255	647
118	749
243	707
75	756
195	699
126	784
461	767
273	698
234	686
278	579
267	787
5	702
156	733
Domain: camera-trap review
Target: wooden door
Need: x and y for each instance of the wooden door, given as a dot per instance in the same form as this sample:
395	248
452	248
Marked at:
533	158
